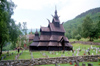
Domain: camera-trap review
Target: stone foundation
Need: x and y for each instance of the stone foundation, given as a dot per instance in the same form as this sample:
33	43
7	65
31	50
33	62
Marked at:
41	61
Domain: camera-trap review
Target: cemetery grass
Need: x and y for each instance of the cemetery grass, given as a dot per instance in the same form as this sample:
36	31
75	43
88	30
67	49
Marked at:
85	39
50	54
67	64
25	55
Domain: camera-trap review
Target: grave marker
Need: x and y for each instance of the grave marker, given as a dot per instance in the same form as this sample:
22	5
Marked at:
83	64
92	54
61	55
56	64
72	62
56	53
73	54
77	63
89	64
2	58
88	53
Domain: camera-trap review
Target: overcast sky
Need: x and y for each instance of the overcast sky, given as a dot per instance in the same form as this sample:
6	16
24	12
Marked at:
36	12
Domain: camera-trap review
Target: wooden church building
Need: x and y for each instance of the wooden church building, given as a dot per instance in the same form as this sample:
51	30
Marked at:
51	37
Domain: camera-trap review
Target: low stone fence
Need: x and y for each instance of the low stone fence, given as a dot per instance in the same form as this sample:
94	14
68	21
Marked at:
82	42
41	61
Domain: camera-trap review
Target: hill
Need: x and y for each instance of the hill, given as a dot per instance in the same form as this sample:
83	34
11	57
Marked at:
73	25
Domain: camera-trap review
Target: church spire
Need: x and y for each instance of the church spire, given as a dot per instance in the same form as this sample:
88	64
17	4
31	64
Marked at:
31	31
56	16
36	33
56	11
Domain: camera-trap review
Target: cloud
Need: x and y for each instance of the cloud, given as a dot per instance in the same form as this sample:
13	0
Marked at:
34	11
36	4
76	7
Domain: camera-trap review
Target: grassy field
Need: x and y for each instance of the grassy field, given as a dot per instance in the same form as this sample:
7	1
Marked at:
67	64
25	55
84	39
44	54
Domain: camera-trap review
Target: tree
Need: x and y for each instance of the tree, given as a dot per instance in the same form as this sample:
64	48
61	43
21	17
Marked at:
14	33
25	28
98	28
89	29
78	37
9	31
6	10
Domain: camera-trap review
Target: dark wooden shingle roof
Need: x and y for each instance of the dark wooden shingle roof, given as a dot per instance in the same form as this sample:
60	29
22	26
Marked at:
45	29
56	29
45	37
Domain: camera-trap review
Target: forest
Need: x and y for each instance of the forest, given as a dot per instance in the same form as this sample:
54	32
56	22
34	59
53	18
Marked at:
78	25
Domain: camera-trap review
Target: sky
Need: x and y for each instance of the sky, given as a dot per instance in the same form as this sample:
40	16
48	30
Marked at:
36	12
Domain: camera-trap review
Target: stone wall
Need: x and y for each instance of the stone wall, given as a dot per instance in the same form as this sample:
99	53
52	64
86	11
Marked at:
82	42
41	61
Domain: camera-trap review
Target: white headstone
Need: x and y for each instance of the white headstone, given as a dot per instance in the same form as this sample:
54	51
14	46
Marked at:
91	47
73	54
92	54
77	54
56	53
74	51
61	55
96	50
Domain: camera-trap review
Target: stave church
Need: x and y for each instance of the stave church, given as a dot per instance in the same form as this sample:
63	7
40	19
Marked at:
51	38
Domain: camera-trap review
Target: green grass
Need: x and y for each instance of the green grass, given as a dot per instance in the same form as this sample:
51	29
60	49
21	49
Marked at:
25	55
67	64
11	57
39	54
97	40
85	39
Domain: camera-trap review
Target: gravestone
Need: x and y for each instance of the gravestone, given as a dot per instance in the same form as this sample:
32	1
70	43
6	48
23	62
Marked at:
88	49
56	53
80	50
73	54
74	51
77	63
96	50
56	64
77	54
83	64
92	54
2	58
9	54
16	57
72	62
88	53
91	47
89	64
